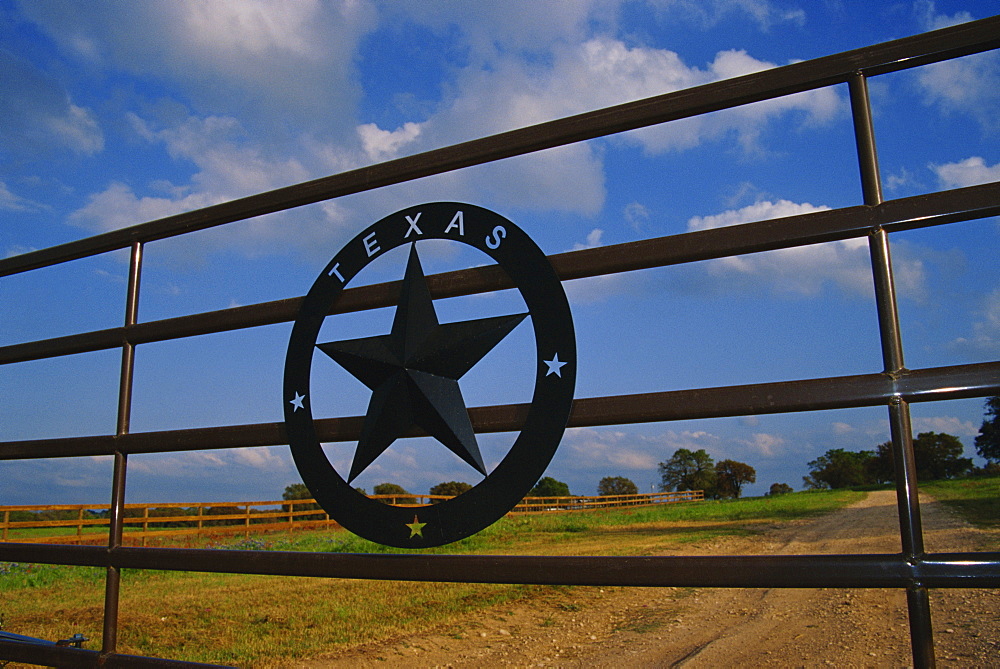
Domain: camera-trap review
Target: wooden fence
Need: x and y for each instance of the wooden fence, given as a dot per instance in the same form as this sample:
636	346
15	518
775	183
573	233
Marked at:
89	523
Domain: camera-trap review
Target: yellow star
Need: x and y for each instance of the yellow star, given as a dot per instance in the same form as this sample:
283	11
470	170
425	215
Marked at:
416	528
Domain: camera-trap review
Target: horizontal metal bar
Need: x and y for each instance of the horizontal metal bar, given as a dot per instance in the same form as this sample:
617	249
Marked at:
78	556
51	656
944	570
920	49
938	570
793	571
65	656
926	385
817	227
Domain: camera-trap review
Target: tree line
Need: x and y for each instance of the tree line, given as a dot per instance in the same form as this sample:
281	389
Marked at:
937	455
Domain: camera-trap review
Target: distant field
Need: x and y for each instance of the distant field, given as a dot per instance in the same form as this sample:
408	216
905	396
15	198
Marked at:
260	621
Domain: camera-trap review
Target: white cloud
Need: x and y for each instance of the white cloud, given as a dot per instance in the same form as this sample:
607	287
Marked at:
969	172
803	270
266	459
636	215
603	72
381	144
841	428
513	92
288	74
903	179
985	337
77	128
606	451
593	240
569	178
118	206
10	201
17	249
759	211
39	116
209	464
488	27
594	449
276	62
708	13
970	84
766	445
927	15
227	165
746	123
946	424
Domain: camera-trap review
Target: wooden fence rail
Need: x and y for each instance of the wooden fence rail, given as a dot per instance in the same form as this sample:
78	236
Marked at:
143	521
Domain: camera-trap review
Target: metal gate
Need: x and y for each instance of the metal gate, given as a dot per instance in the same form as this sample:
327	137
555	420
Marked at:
895	387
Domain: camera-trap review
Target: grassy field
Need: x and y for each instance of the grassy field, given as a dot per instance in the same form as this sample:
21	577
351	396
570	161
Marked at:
976	500
261	620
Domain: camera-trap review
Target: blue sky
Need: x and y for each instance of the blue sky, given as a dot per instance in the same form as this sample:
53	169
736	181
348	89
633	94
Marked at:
116	113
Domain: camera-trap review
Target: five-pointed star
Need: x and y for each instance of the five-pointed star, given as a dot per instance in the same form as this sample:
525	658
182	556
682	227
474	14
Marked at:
297	402
555	366
416	528
413	373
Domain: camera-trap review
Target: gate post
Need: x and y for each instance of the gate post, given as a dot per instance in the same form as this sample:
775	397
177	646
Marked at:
109	638
907	502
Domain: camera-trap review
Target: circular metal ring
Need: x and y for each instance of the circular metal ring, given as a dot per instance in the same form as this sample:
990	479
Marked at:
552	399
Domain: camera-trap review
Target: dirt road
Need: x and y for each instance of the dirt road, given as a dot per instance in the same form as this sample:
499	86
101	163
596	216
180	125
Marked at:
671	627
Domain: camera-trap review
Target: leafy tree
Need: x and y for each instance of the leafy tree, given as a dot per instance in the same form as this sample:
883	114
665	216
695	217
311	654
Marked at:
450	488
393	489
937	455
882	468
298	491
616	485
779	489
988	440
730	476
688	470
549	487
838	468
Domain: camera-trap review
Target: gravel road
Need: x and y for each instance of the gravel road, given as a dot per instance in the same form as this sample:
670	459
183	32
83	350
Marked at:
692	628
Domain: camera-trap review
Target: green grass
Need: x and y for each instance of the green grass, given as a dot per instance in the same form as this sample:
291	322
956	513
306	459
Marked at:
976	500
261	621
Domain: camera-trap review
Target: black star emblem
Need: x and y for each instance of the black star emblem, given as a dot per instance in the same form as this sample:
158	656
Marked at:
413	373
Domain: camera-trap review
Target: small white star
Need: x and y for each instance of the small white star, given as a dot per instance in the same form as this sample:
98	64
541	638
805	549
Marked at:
554	366
297	402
